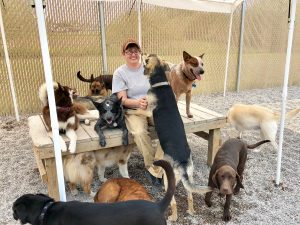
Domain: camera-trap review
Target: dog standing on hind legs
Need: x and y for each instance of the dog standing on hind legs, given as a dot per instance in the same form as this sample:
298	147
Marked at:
183	75
170	131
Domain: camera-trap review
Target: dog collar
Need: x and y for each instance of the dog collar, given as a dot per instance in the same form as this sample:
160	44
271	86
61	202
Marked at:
63	109
160	84
188	77
43	213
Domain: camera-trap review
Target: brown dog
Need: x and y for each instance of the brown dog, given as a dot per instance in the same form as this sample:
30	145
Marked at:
183	75
100	85
226	173
121	190
68	113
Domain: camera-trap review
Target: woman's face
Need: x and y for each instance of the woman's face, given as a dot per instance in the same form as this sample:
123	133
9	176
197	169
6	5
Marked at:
132	56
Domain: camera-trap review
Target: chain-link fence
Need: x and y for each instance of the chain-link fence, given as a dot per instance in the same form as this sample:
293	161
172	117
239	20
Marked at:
75	44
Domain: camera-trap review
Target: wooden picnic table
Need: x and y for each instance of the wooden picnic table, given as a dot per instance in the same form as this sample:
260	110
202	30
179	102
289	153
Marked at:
205	123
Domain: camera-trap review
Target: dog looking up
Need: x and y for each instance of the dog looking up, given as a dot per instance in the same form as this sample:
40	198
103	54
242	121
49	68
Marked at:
170	131
247	117
121	190
100	85
40	209
226	173
183	75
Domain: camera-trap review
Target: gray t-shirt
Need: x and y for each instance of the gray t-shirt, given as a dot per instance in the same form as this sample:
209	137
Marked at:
132	80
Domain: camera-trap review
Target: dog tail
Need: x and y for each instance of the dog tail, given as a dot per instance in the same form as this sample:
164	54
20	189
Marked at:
43	93
165	202
82	78
292	113
257	144
192	187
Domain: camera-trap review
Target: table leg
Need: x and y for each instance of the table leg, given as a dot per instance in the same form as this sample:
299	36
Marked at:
213	144
52	178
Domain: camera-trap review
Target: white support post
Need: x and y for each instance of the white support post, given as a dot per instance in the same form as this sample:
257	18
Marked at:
9	68
51	98
241	46
284	89
103	37
227	54
139	5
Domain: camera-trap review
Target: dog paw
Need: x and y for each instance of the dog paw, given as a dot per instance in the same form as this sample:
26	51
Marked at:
87	122
63	147
74	192
72	148
173	218
226	217
125	142
190	211
92	194
102	179
190	115
102	143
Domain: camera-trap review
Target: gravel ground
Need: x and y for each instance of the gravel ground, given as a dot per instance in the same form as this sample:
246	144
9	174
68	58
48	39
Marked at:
259	203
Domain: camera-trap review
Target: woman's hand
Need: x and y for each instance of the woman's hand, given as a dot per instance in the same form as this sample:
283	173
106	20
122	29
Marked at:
143	103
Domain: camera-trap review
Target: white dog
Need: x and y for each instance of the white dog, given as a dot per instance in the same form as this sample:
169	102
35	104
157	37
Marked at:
247	117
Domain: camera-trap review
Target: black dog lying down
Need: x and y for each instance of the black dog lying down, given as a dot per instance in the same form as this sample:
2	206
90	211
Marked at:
111	115
40	209
227	170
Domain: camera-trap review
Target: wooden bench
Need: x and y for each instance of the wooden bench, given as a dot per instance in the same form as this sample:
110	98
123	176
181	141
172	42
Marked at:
205	123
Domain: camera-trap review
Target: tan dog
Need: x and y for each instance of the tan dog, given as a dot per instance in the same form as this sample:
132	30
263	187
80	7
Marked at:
183	75
248	117
110	157
78	169
121	190
101	85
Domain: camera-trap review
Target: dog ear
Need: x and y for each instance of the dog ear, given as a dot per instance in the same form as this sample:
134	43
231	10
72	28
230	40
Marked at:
186	56
239	182
214	179
201	56
92	78
96	104
166	66
19	213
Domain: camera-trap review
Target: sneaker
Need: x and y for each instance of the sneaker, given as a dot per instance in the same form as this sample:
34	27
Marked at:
154	180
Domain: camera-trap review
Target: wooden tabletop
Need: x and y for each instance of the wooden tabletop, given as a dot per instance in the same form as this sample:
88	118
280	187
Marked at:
88	140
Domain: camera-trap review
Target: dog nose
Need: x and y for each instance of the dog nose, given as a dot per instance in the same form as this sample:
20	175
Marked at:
201	71
225	191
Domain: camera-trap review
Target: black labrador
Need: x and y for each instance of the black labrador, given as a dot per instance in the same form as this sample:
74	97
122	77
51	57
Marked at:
41	209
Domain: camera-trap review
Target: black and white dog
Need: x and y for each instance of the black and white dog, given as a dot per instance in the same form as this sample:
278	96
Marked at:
111	115
170	131
40	209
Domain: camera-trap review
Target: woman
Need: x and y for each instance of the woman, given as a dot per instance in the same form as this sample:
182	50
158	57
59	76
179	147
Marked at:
130	84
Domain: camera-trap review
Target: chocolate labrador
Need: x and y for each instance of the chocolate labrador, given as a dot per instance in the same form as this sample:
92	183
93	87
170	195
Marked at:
226	173
41	209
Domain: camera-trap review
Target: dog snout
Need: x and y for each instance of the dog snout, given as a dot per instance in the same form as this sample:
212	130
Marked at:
96	91
201	71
